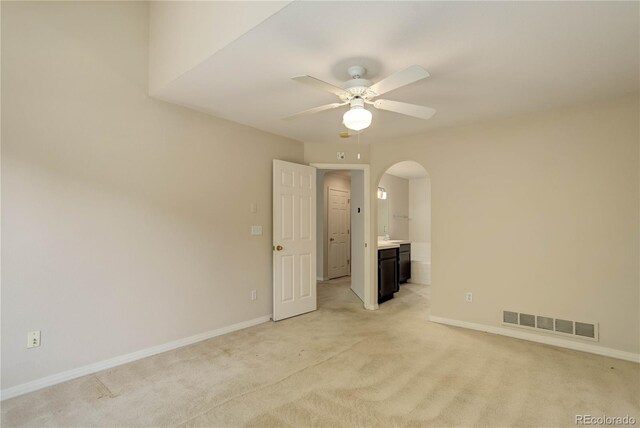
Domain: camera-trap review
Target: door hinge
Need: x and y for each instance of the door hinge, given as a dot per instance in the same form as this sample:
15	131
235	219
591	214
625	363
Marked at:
348	261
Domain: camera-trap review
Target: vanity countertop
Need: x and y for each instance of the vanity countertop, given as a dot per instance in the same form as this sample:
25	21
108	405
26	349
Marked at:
382	245
393	243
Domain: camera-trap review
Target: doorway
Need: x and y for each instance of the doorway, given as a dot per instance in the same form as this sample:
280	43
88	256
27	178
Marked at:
404	226
358	255
338	231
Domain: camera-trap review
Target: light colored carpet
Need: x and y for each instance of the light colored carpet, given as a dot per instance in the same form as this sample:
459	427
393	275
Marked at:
344	366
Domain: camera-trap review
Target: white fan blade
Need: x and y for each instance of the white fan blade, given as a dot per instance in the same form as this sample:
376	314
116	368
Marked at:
312	81
315	110
399	79
420	112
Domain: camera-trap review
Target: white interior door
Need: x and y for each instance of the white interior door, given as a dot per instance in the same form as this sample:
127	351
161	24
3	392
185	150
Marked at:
338	226
294	239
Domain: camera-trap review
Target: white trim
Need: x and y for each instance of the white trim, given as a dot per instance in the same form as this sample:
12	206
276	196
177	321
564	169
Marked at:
555	341
370	289
44	382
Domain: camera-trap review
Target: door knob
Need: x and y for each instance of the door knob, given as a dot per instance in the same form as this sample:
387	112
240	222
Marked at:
279	248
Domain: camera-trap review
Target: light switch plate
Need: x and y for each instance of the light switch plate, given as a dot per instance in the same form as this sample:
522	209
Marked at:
253	208
256	230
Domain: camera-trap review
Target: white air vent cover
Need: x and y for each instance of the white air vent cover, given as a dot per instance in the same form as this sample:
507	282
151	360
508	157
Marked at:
510	317
527	320
579	330
585	330
544	323
564	326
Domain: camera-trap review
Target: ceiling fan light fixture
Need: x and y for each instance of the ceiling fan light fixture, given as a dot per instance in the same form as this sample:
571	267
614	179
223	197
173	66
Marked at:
357	118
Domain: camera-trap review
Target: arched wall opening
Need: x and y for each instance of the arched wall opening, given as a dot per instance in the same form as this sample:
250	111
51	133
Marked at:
403	228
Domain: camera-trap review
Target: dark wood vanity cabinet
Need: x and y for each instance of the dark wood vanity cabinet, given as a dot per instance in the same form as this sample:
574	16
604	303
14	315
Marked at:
404	263
387	273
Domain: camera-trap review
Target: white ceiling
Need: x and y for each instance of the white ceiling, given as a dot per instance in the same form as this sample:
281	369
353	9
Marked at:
408	170
487	60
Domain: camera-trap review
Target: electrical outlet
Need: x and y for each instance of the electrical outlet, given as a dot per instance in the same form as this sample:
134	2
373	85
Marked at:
469	297
340	155
254	294
33	339
256	230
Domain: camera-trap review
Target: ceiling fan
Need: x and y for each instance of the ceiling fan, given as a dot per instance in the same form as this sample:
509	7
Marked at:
359	91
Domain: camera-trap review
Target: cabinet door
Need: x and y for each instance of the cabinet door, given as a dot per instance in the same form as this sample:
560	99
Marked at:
404	267
387	278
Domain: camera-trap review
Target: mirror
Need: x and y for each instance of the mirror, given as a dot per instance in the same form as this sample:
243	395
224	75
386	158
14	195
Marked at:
383	217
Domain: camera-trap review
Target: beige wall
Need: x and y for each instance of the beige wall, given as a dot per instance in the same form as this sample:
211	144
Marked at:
398	205
420	209
359	227
327	153
320	224
182	34
125	220
537	213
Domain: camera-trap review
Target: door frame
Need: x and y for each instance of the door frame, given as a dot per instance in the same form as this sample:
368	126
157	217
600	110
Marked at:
370	298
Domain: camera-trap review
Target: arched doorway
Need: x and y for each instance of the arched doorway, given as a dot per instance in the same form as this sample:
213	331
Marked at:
403	228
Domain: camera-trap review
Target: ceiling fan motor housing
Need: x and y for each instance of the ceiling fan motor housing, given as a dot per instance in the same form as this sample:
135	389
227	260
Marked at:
356	88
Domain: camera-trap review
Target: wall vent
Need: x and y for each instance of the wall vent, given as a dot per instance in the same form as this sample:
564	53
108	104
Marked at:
544	323
577	329
585	330
510	317
564	326
527	320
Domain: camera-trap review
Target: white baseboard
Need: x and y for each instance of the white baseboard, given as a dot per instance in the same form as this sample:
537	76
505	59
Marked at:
44	382
555	341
